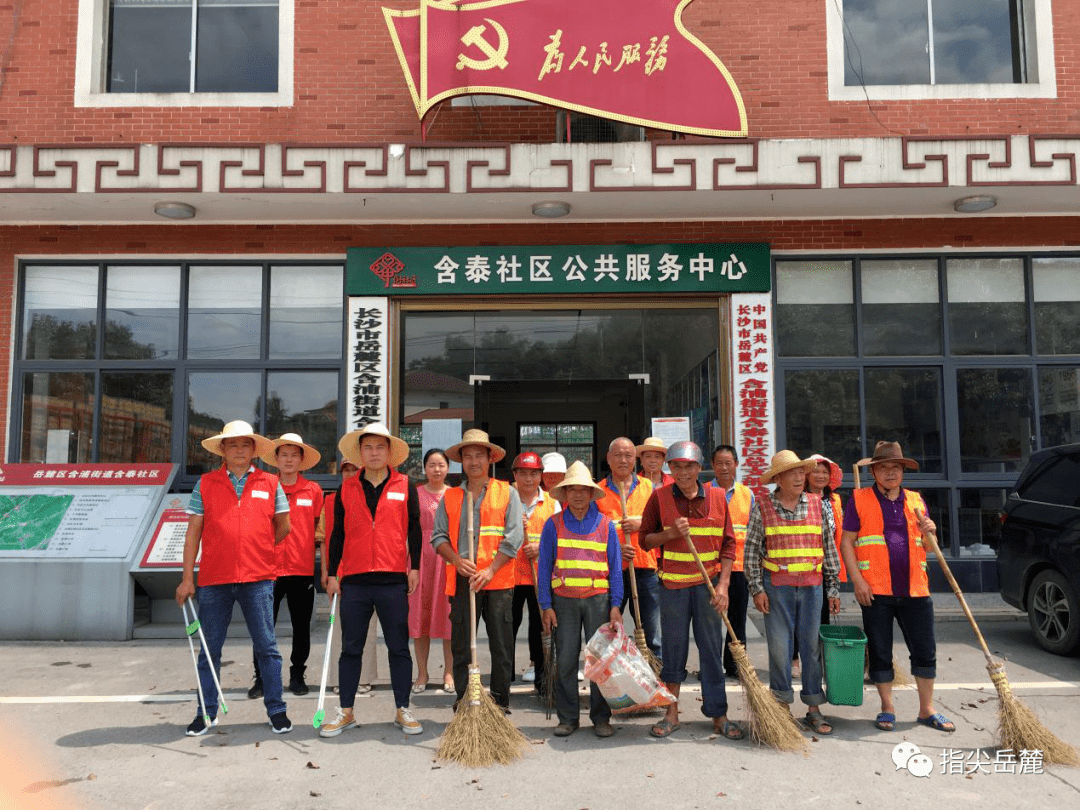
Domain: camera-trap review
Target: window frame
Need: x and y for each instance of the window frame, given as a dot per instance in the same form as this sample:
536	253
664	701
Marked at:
91	63
1037	44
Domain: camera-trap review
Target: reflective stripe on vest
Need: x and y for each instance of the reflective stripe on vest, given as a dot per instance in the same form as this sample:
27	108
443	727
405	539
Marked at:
871	549
677	566
492	528
581	563
739	509
794	551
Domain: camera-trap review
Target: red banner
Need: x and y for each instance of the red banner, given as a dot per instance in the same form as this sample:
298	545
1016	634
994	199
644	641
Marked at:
95	475
627	60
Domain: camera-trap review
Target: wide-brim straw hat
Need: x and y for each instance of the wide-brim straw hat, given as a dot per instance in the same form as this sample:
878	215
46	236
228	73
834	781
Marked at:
311	455
652	444
237	429
782	462
577	476
349	444
477	437
888	451
836	475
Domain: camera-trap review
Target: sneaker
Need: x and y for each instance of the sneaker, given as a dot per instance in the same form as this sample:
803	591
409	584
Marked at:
580	676
280	723
530	675
341	722
256	690
407	723
198	726
297	686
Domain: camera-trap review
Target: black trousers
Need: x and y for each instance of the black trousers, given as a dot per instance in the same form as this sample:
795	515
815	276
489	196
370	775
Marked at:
496	608
738	599
299	593
526	595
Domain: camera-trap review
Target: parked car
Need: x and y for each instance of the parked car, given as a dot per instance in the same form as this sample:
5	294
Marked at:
1039	558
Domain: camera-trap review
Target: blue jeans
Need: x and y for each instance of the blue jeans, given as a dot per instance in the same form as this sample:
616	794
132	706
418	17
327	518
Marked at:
648	586
915	615
681	607
256	600
794	611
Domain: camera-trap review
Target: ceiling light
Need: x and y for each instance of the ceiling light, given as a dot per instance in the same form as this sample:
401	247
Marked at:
975	204
174	210
552	209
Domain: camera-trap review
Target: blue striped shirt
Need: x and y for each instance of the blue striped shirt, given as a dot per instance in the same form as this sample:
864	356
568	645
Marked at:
195	505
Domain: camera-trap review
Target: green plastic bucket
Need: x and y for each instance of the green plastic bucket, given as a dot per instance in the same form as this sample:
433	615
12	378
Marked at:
843	656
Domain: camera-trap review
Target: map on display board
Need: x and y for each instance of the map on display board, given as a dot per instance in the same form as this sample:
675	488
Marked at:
64	511
166	546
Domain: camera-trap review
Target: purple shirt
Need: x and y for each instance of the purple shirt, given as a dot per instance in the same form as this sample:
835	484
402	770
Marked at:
896	536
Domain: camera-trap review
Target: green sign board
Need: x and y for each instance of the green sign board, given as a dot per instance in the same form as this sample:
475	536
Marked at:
710	267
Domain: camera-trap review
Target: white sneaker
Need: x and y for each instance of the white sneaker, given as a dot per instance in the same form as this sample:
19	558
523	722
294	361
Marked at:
407	723
580	676
530	675
341	722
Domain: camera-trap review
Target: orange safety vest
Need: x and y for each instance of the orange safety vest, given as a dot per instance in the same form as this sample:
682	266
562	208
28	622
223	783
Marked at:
739	509
379	543
296	553
678	568
872	552
237	534
794	550
523	569
611	508
581	563
491	530
838	516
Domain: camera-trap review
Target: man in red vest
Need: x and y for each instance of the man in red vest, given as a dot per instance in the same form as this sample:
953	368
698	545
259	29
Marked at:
374	566
580	588
238	514
296	555
677	515
789	553
886	563
496	519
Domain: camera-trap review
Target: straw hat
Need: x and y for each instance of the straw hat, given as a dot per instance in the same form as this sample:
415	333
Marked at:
836	475
237	430
477	437
889	451
782	462
554	463
311	455
577	476
654	444
349	444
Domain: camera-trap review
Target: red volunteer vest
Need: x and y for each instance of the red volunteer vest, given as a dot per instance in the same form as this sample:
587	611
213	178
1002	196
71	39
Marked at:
581	564
380	543
523	569
677	566
611	508
794	549
296	553
237	535
490	533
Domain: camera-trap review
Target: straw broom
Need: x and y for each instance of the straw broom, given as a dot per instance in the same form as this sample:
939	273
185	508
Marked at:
1019	728
770	721
479	734
900	678
639	631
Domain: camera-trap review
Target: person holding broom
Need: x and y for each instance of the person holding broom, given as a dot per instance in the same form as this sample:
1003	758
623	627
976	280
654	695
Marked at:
578	556
537	507
789	553
238	514
725	462
676	515
497	515
374	566
637	563
886	563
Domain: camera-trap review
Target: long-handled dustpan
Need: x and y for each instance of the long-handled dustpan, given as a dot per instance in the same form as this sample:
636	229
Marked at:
196	627
320	714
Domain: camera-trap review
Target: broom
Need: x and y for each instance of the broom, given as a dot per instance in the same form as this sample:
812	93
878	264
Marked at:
900	678
550	662
639	631
1019	728
770	721
479	734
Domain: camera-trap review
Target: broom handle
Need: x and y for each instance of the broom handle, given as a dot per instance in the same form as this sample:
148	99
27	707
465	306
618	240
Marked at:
632	572
709	585
472	593
855	467
931	539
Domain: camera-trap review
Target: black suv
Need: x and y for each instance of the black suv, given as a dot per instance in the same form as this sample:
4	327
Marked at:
1039	558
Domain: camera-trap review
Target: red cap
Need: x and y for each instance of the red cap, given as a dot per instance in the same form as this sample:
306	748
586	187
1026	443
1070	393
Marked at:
527	461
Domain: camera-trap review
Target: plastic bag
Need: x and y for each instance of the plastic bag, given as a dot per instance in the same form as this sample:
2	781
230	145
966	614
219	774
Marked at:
625	679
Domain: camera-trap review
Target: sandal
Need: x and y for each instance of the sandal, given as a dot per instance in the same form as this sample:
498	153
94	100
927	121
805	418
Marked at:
448	687
886	721
664	728
938	721
418	687
363	689
817	723
730	730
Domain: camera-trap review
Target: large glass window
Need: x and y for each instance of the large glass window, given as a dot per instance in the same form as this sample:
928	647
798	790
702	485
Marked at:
995	411
904	404
988	311
815	309
136	417
151	48
901	307
305	402
57	417
213	400
224	312
306	317
1056	290
822	414
142	312
59	314
1059	405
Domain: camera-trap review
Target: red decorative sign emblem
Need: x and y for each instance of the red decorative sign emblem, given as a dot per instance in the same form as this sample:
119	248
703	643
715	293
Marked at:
627	60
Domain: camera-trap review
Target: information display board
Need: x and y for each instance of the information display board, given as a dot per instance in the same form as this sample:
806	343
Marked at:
166	546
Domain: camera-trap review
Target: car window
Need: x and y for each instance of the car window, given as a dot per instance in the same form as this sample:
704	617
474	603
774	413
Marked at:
1058	483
